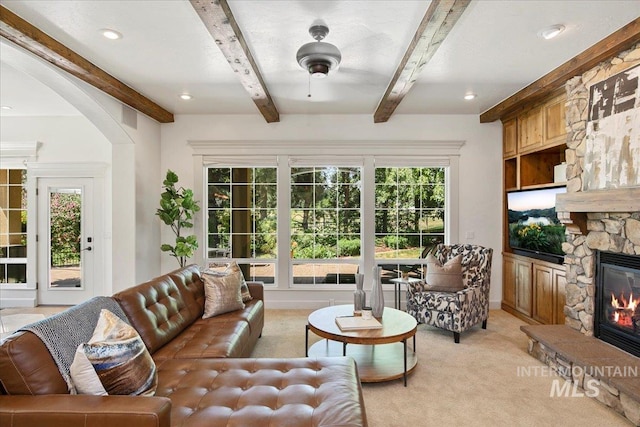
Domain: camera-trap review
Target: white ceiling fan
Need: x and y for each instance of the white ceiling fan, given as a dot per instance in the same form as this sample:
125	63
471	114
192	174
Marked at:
319	57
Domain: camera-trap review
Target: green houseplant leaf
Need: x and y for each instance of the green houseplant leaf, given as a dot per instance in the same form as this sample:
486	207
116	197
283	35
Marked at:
177	208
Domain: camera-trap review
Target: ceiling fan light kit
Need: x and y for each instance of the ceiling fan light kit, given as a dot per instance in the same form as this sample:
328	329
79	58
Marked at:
318	57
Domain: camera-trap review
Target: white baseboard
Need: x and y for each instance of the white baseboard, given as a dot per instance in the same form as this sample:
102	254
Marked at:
17	302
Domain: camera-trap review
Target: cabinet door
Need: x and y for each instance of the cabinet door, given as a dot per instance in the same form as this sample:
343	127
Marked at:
559	283
554	121
509	138
543	304
523	287
530	130
509	281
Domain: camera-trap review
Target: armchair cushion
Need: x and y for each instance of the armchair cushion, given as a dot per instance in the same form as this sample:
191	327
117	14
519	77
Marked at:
444	278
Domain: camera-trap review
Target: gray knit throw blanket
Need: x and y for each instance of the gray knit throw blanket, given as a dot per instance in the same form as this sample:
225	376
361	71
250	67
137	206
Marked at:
64	332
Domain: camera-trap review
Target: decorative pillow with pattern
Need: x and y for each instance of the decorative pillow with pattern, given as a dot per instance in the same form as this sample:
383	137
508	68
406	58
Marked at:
231	268
114	361
222	294
444	278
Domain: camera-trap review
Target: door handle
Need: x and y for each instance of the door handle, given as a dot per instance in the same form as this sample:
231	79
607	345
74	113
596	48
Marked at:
88	248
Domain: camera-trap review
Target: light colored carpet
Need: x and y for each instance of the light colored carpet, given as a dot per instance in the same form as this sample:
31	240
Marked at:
12	322
474	383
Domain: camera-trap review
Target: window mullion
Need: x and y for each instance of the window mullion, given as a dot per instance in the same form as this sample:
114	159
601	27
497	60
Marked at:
367	223
284	270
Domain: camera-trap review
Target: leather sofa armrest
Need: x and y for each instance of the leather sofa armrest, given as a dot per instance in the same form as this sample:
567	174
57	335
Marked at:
256	289
84	411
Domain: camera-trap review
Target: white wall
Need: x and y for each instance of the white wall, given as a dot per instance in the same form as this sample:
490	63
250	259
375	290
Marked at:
64	139
480	169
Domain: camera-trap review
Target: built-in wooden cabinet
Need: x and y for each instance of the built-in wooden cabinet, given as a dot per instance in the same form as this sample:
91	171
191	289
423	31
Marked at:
534	142
510	138
555	131
543	293
516	290
523	287
559	294
530	130
533	290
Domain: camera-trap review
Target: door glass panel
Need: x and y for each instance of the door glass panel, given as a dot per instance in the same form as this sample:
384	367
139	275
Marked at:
65	219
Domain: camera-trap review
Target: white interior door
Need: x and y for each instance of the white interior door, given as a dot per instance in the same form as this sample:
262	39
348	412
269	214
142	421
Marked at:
66	240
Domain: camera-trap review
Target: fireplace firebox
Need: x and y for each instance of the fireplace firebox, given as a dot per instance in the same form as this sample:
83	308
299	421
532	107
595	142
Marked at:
617	303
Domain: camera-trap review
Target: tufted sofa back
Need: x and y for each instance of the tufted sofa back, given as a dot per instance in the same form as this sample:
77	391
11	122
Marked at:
476	262
163	307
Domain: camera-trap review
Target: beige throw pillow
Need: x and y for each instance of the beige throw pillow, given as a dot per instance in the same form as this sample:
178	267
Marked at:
444	278
231	268
222	294
118	358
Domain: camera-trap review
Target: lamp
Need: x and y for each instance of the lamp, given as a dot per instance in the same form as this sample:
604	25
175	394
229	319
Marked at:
318	57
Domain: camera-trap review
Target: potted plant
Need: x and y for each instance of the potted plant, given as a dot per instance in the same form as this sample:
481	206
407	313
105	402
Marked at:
177	208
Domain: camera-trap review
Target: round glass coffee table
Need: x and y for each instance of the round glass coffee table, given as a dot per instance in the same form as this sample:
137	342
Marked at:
380	354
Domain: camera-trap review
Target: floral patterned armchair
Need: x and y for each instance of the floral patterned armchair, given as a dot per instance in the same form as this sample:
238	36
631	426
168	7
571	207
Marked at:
455	311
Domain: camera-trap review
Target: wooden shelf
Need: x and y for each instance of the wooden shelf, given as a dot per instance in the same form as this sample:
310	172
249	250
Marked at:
549	185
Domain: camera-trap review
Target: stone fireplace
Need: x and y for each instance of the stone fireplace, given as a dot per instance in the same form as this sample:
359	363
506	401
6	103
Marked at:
604	219
599	219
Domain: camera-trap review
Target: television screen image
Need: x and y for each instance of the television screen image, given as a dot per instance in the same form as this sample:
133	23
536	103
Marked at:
533	224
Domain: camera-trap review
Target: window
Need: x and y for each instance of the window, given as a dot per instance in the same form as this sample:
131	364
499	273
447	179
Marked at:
325	224
241	219
308	220
13	226
410	215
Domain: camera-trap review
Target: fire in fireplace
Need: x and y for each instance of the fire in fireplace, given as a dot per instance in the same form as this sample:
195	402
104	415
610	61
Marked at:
617	308
624	311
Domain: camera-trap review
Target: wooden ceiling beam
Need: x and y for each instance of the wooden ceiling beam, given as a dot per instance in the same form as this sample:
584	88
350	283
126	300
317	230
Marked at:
622	39
436	24
27	36
219	21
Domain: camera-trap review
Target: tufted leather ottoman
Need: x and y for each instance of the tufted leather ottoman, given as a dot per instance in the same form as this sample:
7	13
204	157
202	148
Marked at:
262	392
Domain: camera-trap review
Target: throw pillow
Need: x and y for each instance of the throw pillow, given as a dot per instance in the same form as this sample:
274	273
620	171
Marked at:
444	278
222	294
231	268
84	377
119	359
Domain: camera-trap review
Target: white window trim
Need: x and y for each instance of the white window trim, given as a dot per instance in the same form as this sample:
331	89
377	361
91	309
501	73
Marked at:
16	155
378	153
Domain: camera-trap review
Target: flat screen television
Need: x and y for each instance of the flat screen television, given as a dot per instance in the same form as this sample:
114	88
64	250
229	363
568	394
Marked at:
534	228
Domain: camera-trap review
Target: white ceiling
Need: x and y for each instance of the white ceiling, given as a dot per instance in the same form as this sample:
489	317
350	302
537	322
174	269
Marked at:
493	51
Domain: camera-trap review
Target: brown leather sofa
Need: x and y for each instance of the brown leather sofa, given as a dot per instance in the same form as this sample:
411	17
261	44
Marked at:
205	377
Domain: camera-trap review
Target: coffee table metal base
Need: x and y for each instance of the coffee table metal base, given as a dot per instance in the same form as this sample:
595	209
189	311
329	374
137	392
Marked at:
376	363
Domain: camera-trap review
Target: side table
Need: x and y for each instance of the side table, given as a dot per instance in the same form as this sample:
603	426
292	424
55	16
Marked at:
397	283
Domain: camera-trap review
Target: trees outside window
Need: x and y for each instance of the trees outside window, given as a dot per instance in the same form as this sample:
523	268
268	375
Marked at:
325	214
410	215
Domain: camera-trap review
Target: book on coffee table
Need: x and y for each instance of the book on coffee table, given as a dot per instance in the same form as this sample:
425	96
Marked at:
354	323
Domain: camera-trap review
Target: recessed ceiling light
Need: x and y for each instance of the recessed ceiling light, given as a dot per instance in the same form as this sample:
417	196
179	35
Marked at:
111	34
186	96
551	32
6	107
470	96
